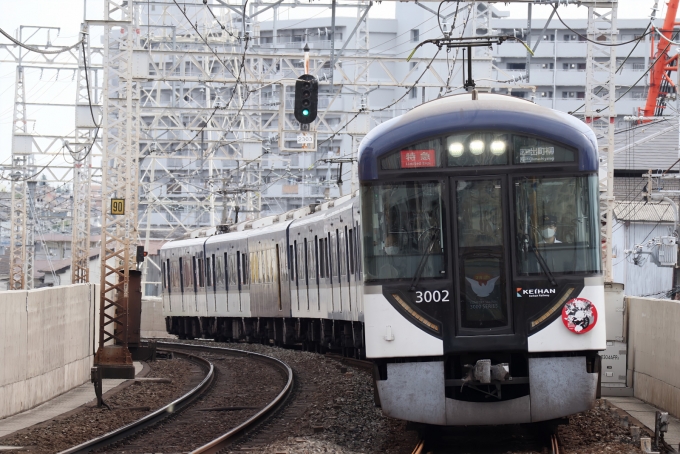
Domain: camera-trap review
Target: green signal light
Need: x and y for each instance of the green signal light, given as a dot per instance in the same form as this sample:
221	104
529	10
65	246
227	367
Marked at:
305	112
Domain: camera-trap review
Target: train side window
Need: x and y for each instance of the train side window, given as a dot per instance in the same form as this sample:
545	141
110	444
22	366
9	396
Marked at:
220	276
208	271
165	285
266	266
194	267
181	275
295	264
321	261
350	240
291	263
301	261
357	242
348	254
306	264
340	255
240	274
202	271
331	256
244	265
232	271
212	272
227	277
254	267
316	259
171	271
327	258
269	263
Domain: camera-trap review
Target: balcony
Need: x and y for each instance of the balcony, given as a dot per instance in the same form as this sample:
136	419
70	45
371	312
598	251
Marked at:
564	49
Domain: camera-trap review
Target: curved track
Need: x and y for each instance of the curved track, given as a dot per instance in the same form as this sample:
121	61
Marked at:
176	410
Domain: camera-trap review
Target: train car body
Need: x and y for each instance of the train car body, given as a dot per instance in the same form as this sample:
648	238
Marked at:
482	262
468	268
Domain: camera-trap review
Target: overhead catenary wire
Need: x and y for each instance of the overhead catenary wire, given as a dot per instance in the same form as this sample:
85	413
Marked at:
35	49
599	43
89	103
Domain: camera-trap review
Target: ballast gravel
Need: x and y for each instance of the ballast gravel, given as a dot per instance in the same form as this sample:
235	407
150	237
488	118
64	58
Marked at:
341	417
334	413
88	422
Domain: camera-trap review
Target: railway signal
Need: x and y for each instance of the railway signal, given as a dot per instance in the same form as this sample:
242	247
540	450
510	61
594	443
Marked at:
306	95
306	98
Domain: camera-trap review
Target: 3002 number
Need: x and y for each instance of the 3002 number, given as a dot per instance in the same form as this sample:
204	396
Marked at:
432	297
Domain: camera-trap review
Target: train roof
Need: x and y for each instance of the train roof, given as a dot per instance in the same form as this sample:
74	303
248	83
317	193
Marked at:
489	111
184	243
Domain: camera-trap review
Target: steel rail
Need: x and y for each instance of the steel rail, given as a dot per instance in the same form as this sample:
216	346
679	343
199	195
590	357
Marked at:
182	402
220	442
152	418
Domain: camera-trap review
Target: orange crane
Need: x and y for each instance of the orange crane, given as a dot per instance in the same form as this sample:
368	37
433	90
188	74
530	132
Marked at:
661	84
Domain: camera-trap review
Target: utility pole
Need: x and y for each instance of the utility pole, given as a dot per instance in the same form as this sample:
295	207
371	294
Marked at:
86	122
120	169
601	109
21	149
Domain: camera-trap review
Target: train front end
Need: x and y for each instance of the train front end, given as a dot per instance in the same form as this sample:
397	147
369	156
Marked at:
483	288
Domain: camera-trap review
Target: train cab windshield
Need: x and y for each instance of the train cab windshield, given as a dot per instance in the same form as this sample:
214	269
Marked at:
405	239
553	229
557	225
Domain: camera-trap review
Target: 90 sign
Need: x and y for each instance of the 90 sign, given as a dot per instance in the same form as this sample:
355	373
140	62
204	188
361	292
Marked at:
117	206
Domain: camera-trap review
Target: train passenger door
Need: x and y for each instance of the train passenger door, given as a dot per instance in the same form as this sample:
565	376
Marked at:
481	256
351	265
343	271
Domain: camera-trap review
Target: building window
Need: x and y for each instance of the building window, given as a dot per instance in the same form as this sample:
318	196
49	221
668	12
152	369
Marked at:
638	66
548	66
549	37
581	66
568	66
568	94
415	35
546	94
413	94
517	65
519	94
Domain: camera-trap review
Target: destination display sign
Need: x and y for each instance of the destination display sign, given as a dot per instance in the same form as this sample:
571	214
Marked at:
536	154
415	159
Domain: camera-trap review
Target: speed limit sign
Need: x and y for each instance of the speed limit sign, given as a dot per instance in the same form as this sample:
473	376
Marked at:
117	206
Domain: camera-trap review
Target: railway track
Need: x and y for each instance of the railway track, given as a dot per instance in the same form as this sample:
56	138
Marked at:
487	440
208	408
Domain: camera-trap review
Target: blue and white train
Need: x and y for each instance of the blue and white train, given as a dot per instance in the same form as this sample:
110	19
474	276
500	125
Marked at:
467	268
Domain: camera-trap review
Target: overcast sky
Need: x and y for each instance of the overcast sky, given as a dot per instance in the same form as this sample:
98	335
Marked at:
68	14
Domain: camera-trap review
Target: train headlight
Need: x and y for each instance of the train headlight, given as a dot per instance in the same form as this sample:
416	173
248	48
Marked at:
476	147
456	149
497	147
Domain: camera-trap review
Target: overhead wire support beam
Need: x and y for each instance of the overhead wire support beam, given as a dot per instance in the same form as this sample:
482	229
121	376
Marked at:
354	30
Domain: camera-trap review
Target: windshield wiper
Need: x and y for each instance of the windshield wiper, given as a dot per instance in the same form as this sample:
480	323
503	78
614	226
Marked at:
423	258
544	266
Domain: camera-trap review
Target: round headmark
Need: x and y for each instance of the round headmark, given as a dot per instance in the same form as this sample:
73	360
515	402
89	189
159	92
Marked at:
579	315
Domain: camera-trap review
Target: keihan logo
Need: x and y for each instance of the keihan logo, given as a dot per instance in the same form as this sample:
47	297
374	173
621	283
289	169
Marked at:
519	292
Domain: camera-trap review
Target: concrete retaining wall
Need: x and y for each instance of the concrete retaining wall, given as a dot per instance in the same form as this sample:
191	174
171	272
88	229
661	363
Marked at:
47	343
653	351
